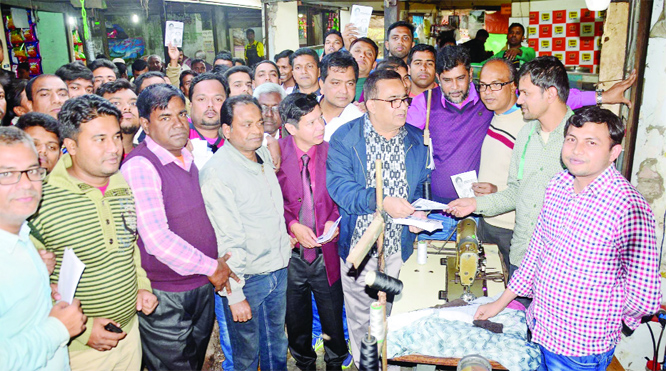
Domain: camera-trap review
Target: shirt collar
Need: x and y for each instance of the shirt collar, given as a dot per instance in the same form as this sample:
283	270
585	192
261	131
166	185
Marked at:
370	131
600	183
311	152
166	157
473	97
9	240
511	110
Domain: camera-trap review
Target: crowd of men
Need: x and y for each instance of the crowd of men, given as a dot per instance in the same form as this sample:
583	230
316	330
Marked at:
197	193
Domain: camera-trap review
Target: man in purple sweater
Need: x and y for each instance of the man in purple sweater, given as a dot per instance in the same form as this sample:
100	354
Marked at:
177	242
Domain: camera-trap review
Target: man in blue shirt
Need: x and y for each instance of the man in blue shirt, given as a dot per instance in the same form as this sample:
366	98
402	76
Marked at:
34	333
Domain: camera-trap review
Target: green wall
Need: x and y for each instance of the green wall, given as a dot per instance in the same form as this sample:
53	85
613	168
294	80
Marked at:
52	35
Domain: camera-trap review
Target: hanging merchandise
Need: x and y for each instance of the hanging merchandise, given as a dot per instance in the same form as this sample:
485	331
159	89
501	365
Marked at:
79	54
23	44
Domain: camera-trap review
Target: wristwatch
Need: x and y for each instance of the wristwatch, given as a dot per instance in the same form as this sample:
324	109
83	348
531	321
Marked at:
599	98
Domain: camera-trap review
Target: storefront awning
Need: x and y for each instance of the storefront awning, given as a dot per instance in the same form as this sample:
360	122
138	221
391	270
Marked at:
253	4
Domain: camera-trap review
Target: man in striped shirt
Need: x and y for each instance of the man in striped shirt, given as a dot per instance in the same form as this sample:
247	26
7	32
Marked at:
87	206
592	263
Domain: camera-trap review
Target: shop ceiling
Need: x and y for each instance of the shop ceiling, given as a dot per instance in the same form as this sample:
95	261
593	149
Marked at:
378	5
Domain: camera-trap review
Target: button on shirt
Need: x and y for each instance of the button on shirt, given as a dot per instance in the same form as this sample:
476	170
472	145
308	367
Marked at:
29	339
591	264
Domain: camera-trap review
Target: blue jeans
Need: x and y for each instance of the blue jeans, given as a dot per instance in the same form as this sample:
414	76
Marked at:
316	324
449	224
555	362
225	343
262	339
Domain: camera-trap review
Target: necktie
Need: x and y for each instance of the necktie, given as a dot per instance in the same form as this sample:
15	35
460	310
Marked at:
306	215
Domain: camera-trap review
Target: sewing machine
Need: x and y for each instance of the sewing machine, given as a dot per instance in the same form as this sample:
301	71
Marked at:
463	269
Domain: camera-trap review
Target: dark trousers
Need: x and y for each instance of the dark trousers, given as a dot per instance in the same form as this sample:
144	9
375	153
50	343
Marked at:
499	236
175	336
304	280
261	341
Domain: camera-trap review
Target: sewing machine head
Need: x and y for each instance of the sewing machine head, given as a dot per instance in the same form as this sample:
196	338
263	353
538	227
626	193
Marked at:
468	251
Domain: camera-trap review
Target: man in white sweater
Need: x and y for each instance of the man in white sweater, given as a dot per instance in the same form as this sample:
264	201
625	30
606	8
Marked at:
497	88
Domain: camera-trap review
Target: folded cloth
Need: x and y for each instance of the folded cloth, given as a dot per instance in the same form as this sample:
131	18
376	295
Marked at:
495	327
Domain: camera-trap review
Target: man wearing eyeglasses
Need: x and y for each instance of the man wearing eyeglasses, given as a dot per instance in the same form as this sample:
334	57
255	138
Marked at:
88	207
380	134
34	331
269	96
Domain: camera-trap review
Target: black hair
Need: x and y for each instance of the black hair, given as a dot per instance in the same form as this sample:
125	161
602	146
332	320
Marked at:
546	72
238	60
236	69
421	48
138	82
400	24
254	69
367	41
139	65
443	39
195	61
47	122
23	66
332	31
16	88
32	81
82	109
248	31
185	73
370	86
301	52
225	56
515	24
227	110
112	87
283	54
392	63
219	69
73	71
340	59
103	62
295	106
156	97
122	68
509	65
597	115
209	76
450	57
101	56
482	33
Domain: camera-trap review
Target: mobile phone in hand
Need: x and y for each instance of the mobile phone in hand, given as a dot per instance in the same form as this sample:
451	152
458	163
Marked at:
113	328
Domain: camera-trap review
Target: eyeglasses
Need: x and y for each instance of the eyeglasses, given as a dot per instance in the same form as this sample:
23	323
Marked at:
495	86
396	103
266	109
14	176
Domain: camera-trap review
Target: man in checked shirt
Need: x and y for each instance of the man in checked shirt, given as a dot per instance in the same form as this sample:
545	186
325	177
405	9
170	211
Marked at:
592	262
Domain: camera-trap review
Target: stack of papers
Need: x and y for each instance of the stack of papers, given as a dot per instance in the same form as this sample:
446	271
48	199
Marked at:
70	274
424	205
327	236
429	225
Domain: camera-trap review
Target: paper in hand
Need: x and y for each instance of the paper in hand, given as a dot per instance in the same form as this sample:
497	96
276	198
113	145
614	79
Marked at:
425	205
70	274
463	183
327	236
174	34
360	18
429	225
